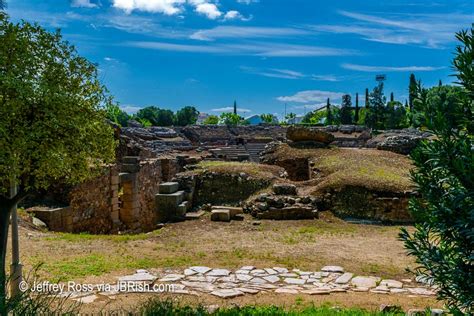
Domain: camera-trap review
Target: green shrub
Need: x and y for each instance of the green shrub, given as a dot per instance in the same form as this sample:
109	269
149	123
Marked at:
443	241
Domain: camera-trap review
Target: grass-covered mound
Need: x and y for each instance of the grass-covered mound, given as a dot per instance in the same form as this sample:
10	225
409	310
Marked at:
363	183
229	183
236	168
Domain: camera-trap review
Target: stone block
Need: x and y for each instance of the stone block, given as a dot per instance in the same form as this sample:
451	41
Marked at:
131	204
131	160
130	168
114	216
194	215
170	200
284	189
126	177
114	179
168	187
182	209
220	216
234	211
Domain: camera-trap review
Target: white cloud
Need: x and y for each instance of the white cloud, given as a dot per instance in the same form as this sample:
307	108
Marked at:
167	7
248	1
253	49
288	74
178	47
331	78
231	109
309	96
402	29
130	109
365	68
210	10
274	73
236	15
245	32
83	4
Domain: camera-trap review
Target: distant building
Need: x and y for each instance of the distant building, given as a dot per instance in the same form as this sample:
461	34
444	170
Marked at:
254	120
201	118
296	120
257	120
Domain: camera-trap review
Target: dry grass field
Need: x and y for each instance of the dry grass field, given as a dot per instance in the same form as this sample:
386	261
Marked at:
305	244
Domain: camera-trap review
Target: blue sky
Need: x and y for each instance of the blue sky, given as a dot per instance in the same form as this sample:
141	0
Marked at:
262	53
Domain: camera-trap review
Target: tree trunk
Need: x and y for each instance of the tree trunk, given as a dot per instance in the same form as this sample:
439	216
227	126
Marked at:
6	207
5	212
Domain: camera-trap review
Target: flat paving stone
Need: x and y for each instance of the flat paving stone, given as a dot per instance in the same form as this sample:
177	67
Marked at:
258	271
218	272
247	290
345	278
286	291
258	281
294	281
289	275
248	268
172	277
333	269
138	277
270	271
421	291
230	278
398	291
197	278
392	284
227	293
243	277
87	299
200	269
280	270
188	272
305	273
242	271
365	282
272	278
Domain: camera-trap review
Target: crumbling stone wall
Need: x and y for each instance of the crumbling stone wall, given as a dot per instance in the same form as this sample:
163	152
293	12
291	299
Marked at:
93	205
148	179
361	203
216	188
122	198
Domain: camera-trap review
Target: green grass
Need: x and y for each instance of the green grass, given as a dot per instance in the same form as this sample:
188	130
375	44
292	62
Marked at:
168	307
83	237
229	167
310	233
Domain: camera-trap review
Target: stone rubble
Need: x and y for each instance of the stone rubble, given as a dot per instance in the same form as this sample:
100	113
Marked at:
249	280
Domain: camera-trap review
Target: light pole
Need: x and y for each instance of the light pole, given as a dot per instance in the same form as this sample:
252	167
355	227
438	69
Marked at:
16	266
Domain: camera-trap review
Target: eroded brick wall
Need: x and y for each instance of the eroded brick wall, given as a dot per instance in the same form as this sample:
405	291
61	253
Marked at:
110	203
93	204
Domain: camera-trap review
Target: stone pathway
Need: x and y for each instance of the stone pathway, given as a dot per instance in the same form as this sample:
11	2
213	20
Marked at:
249	280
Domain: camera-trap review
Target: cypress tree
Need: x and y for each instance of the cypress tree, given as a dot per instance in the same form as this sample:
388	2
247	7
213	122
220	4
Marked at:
329	118
366	97
346	112
412	91
356	114
392	97
235	107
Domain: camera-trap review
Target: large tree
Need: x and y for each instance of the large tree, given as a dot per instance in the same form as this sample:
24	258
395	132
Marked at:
443	240
346	110
52	122
187	116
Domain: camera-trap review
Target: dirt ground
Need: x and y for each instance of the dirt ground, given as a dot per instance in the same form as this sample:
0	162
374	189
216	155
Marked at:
305	244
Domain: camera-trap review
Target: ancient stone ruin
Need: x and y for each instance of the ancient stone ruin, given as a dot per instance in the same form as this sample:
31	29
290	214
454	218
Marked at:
155	179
